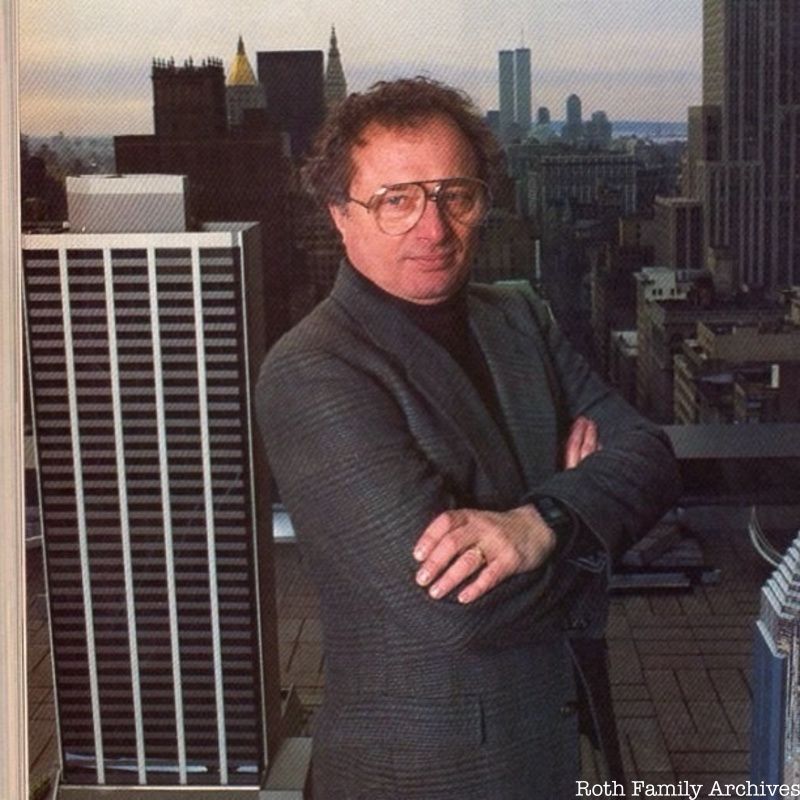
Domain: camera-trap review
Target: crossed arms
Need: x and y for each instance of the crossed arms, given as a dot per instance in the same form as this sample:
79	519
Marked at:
490	546
361	493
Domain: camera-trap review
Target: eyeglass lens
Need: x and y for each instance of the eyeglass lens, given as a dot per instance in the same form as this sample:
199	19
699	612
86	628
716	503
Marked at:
398	208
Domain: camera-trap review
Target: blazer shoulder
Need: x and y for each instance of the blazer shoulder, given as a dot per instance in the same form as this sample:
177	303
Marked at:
327	344
324	330
519	301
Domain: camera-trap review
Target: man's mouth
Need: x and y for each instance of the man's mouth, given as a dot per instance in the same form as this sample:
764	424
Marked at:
433	259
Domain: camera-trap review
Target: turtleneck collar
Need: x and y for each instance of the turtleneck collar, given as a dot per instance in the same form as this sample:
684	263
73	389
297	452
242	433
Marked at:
456	301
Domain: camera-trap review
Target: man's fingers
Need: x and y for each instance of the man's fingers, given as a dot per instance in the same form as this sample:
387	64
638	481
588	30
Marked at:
589	443
438	528
487	579
470	561
581	442
572	448
488	544
456	540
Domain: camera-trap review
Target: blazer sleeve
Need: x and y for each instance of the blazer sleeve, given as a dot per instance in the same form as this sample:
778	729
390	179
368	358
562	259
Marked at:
621	490
360	493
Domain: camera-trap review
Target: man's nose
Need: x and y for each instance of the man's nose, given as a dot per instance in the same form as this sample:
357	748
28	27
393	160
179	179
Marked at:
434	223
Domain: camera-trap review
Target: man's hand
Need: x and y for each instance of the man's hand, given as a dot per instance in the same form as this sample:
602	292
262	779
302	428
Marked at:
581	442
493	544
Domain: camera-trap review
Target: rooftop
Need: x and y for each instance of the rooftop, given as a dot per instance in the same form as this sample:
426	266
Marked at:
680	662
740	442
241	73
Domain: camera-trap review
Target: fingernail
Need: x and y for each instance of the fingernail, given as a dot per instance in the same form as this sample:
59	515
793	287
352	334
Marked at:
419	553
436	591
423	577
463	597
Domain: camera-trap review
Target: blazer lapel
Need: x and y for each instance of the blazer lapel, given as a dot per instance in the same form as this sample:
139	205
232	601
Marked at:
434	373
516	362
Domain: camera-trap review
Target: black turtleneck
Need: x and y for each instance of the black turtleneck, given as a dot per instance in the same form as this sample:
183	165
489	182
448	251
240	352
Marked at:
447	323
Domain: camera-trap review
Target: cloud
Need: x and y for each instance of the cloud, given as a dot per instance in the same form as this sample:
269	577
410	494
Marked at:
90	97
91	61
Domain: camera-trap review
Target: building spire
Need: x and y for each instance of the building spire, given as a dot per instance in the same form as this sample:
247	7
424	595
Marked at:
241	73
335	82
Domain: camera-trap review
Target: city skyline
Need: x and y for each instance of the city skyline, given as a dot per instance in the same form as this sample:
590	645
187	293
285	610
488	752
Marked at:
86	72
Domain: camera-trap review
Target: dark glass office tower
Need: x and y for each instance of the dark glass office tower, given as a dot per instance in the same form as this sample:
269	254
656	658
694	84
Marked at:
293	82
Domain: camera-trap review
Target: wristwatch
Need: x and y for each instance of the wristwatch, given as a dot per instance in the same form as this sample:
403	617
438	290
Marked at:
557	516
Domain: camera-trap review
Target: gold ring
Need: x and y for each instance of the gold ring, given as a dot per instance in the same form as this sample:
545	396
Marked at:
481	555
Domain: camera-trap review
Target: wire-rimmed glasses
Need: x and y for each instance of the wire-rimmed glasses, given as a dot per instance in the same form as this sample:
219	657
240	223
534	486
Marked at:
399	207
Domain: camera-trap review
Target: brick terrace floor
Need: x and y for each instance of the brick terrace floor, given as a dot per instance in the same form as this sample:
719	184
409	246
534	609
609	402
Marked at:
680	663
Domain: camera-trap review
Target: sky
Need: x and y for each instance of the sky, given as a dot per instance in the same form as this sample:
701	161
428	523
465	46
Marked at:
85	64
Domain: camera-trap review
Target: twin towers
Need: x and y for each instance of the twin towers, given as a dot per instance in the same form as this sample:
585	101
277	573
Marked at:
515	92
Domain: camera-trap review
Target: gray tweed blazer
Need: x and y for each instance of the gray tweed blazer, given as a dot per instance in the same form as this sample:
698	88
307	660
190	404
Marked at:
371	430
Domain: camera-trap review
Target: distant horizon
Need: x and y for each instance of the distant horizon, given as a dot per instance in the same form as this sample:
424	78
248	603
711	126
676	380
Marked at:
86	68
556	123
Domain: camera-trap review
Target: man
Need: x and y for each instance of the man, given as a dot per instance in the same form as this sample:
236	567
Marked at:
421	430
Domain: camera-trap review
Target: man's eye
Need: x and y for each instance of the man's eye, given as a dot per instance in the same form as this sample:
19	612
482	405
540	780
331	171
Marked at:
458	197
397	201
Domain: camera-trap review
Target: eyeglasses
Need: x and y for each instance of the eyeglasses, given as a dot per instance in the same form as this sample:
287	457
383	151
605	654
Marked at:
399	207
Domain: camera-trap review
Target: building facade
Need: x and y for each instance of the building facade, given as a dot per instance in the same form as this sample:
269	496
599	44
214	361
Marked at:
598	131
660	331
745	162
294	86
515	109
613	292
189	101
573	125
670	303
244	173
506	249
679	233
582	178
522	90
622	356
743	372
156	520
507	107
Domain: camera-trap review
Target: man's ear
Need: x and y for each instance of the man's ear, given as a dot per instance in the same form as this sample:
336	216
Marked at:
338	212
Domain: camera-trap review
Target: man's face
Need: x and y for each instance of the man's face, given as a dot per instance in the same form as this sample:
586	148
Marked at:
432	260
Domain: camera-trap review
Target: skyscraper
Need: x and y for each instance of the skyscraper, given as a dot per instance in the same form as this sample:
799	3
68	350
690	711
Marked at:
573	127
515	93
678	239
542	131
507	94
141	352
293	82
703	145
189	101
749	181
335	82
237	174
522	84
598	131
774	736
243	92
